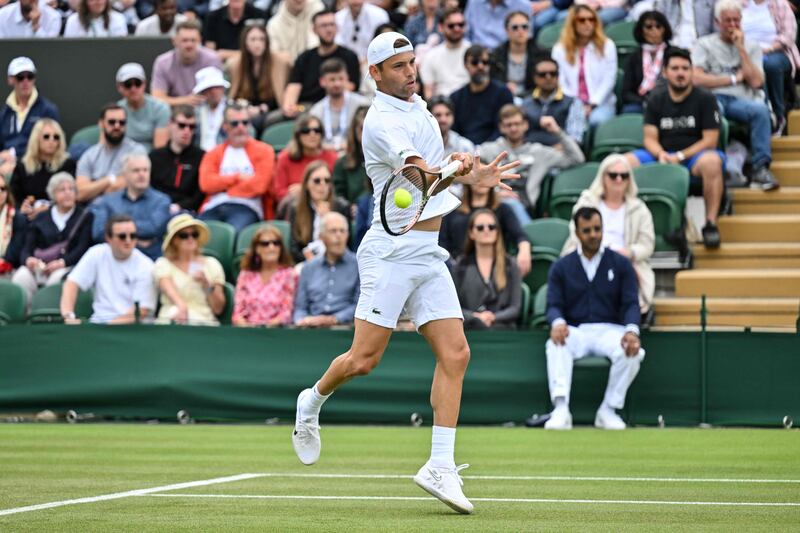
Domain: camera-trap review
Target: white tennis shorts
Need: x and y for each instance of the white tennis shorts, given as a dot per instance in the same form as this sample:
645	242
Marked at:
405	276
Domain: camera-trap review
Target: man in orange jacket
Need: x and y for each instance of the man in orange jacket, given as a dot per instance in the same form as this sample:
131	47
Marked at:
236	175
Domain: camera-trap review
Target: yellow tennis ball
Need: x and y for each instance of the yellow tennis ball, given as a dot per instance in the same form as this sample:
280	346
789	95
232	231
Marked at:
402	198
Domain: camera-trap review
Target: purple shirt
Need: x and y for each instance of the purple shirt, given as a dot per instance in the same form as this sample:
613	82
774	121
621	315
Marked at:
170	75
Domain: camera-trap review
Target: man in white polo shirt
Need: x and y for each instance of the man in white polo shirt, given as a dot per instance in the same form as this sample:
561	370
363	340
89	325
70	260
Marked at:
120	275
28	19
407	273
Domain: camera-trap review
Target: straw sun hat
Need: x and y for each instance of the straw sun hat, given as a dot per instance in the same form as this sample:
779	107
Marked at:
182	222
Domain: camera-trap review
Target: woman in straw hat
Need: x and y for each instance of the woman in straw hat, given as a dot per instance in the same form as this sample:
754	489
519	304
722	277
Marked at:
191	284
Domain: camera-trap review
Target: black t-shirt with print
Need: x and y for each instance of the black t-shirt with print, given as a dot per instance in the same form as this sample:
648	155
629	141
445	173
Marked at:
681	124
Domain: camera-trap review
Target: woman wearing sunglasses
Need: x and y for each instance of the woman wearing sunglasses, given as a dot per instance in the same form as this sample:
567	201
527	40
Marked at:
304	147
643	68
191	284
316	198
267	283
487	279
627	222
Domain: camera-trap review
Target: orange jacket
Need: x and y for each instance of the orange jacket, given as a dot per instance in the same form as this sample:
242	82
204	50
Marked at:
261	155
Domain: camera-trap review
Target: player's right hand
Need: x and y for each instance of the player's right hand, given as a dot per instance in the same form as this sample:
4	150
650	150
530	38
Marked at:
559	334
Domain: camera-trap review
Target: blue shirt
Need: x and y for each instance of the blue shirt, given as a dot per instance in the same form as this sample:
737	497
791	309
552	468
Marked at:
417	32
150	213
486	23
326	289
476	114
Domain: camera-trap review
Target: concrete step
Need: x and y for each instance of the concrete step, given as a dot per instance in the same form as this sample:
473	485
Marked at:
757	312
793	123
787	172
744	283
760	228
786	148
748	255
752	201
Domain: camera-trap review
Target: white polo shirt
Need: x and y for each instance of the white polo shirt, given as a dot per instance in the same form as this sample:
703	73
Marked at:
395	130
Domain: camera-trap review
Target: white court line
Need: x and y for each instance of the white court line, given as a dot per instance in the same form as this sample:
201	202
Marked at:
539	478
502	500
126	494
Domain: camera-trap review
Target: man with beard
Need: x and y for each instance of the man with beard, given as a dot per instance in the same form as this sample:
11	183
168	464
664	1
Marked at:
478	103
593	311
28	18
304	80
100	166
443	70
681	126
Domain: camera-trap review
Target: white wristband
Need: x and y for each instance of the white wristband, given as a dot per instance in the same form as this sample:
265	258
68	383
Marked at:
733	79
112	179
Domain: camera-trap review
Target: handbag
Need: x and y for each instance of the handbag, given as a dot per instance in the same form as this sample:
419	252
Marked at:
59	250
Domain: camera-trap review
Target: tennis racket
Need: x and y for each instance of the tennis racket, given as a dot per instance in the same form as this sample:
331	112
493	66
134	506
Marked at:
421	185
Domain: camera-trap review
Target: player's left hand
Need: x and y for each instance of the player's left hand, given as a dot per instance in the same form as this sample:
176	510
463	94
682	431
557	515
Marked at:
491	175
631	344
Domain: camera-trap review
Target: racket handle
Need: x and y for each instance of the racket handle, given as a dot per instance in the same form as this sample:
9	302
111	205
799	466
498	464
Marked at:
450	169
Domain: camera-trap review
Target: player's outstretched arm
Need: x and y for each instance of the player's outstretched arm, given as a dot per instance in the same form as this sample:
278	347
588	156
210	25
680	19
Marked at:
491	175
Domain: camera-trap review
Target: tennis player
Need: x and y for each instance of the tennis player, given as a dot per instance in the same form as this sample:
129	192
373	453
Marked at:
405	274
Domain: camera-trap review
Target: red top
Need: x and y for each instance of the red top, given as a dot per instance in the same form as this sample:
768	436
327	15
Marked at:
288	172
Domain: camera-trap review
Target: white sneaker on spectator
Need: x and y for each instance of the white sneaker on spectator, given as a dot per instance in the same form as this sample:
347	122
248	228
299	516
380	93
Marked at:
445	484
560	419
305	437
608	419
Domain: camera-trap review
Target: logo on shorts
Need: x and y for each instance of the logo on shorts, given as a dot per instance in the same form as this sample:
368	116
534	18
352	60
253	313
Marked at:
376	311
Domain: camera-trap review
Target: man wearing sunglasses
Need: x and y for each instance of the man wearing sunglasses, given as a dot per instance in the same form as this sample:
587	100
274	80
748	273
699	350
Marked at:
23	107
210	87
147	116
478	103
486	20
513	61
443	69
593	311
120	275
176	166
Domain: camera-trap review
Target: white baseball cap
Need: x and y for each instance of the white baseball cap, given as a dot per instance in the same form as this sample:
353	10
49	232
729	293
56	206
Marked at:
208	77
130	71
382	47
21	64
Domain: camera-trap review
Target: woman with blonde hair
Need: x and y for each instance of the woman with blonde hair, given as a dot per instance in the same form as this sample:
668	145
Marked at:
267	283
45	156
487	279
191	284
587	62
627	222
95	18
316	198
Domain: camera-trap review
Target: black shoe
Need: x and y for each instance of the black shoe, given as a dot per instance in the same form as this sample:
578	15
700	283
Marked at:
763	179
735	180
711	237
537	421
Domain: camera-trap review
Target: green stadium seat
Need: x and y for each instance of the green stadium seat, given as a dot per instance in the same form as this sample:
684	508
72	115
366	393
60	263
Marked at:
567	188
540	308
525	306
87	135
548	36
12	302
622	35
618	89
278	135
220	244
622	133
46	305
664	189
547	236
227	312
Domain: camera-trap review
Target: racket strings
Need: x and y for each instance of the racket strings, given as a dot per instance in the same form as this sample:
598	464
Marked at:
413	182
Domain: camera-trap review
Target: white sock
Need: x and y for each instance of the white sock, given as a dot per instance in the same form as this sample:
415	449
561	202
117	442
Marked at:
607	408
443	443
560	404
313	402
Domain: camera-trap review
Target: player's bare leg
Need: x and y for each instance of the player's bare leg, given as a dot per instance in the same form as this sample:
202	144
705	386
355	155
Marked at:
369	343
439	476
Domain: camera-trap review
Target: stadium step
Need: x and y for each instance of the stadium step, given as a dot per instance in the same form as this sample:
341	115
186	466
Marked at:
793	124
748	283
786	148
757	312
748	255
760	228
787	172
752	201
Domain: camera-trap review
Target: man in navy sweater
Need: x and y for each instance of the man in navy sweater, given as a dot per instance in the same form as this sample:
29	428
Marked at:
593	311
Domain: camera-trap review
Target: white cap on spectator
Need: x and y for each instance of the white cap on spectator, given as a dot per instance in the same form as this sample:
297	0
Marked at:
21	64
130	71
382	47
209	77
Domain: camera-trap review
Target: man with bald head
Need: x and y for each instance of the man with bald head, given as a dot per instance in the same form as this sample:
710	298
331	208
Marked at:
148	207
328	290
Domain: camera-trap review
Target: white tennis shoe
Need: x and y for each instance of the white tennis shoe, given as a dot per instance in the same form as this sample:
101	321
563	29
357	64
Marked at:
608	419
445	484
305	437
560	419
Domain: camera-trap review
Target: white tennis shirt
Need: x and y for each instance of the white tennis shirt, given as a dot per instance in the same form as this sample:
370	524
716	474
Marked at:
395	130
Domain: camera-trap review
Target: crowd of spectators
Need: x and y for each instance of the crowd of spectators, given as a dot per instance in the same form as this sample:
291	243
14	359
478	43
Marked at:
127	215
